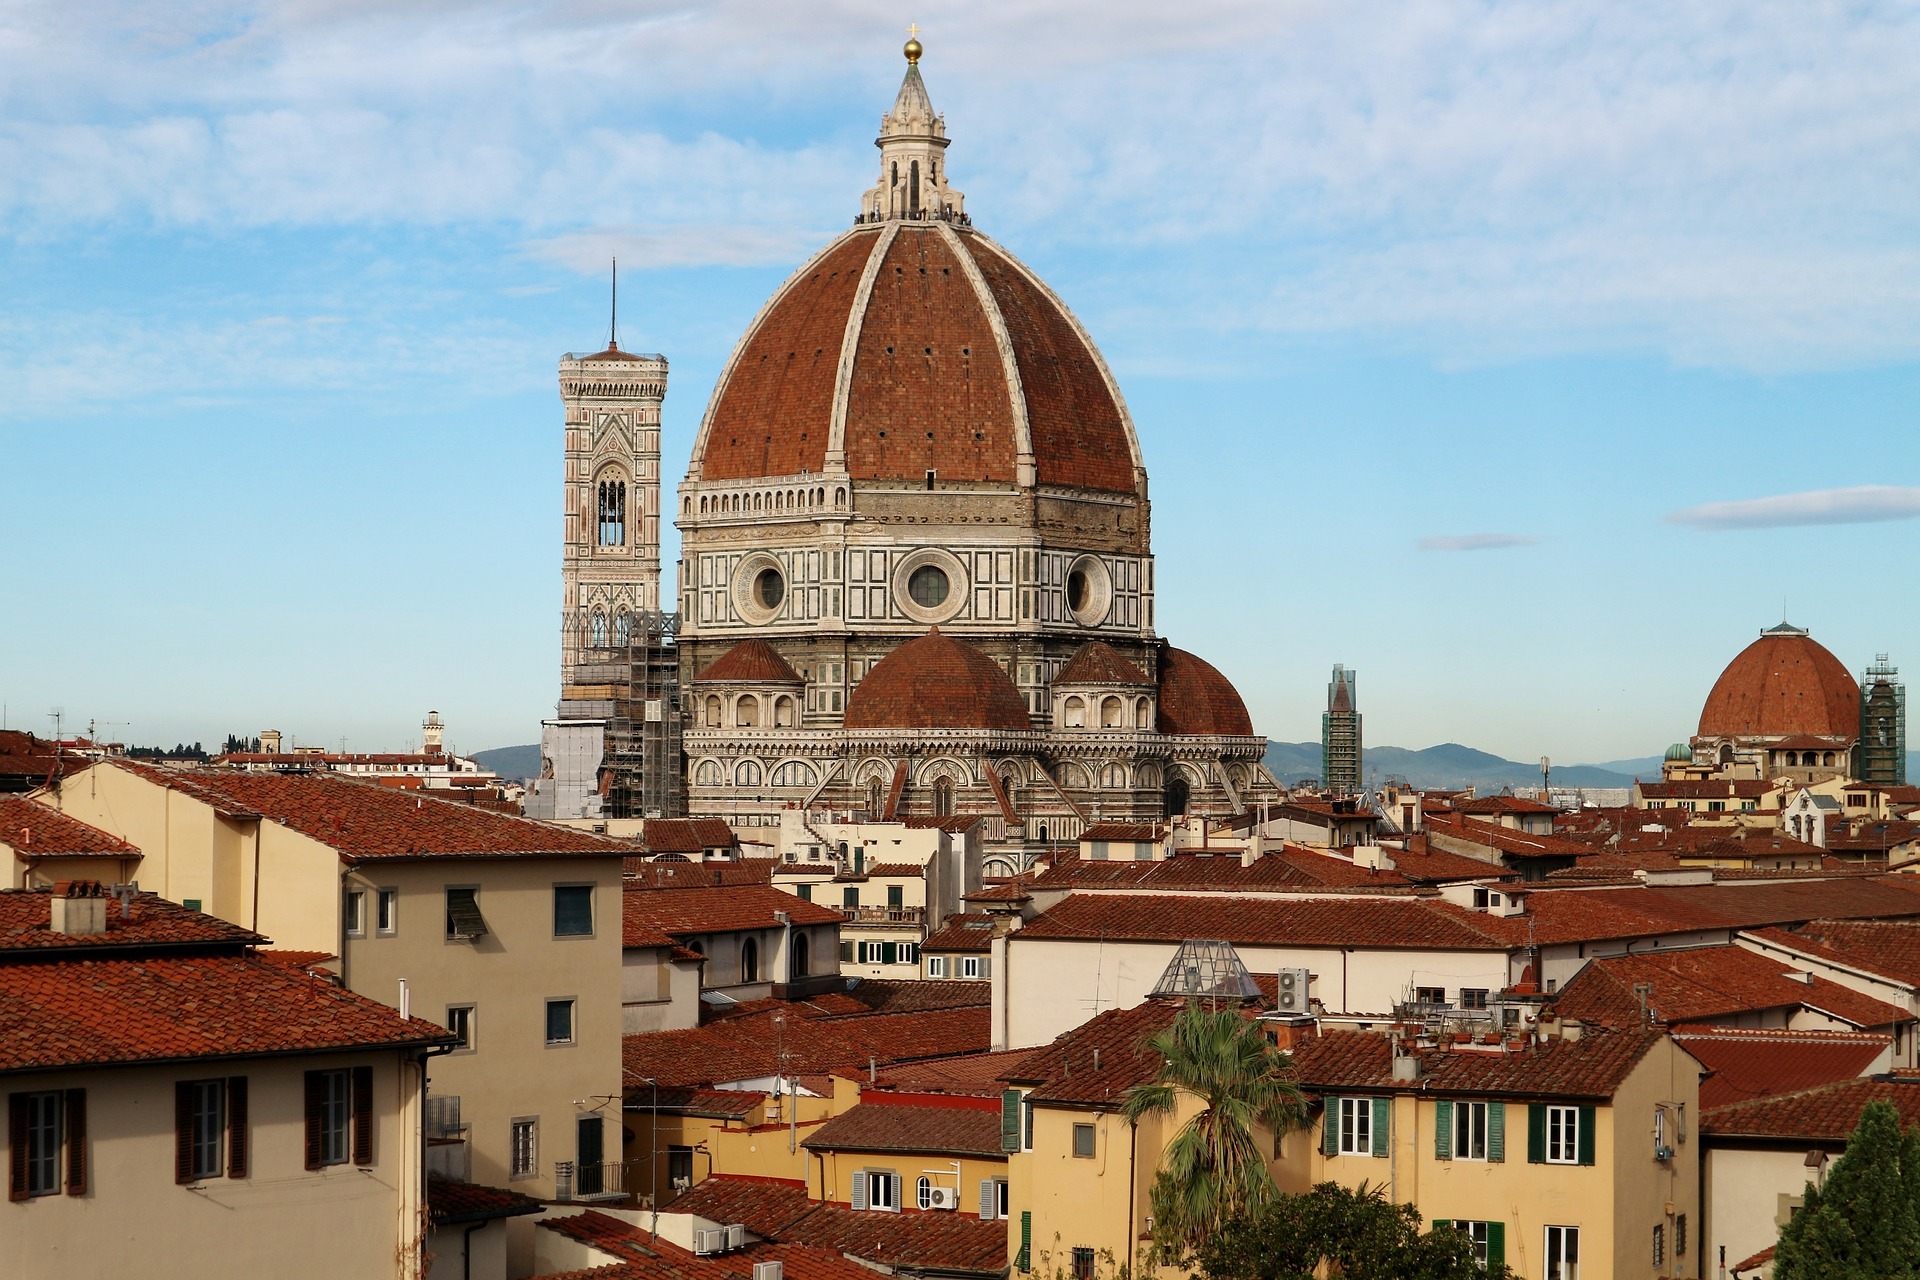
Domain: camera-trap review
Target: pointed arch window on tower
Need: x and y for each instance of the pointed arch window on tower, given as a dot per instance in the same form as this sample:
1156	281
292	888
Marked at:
622	629
597	630
613	513
942	797
913	189
876	800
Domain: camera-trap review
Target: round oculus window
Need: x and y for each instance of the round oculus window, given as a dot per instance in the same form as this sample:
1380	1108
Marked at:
928	586
769	588
1077	590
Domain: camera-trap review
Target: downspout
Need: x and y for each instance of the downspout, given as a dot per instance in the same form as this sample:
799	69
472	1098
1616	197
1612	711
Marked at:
255	926
466	1251
340	914
1133	1163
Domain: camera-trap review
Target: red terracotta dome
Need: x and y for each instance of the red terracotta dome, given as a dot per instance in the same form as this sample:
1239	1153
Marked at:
957	360
1783	684
1097	662
751	662
937	682
1196	699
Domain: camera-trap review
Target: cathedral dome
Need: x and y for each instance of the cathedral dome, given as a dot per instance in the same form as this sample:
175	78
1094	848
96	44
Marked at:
1196	699
1785	683
937	682
750	662
1097	662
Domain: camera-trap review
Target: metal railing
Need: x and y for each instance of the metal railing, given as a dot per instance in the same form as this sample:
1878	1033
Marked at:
595	1181
885	915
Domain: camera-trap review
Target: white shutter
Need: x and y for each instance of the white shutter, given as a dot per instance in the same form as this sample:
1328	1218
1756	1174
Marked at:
986	966
896	1191
987	1199
860	1190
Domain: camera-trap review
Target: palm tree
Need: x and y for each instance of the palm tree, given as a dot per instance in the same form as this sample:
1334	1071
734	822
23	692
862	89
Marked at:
1213	1170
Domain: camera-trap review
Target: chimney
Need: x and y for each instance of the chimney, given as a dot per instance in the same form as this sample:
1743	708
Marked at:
79	908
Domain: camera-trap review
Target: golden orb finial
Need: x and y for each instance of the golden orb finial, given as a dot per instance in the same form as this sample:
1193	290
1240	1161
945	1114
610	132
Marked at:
913	49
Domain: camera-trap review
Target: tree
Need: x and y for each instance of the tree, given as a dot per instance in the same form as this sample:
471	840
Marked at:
1863	1222
1354	1234
1213	1170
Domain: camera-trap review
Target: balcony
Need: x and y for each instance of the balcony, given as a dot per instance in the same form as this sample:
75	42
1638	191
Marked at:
910	916
599	1182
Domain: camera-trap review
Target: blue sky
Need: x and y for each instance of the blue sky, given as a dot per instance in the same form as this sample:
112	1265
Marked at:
1527	357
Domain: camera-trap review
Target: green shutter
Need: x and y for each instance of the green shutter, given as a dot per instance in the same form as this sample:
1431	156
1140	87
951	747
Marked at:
1496	1245
1586	1135
1443	1130
1330	1130
1382	1119
1010	1120
1442	1222
889	953
1025	1260
1536	1133
1496	1132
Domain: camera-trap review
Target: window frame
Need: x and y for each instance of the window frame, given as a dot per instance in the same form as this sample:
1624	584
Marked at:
386	910
970	968
880	1181
446	904
1356	1114
1083	1262
572	1005
336	1117
936	966
468	1041
923	1192
592	914
1568	1265
1463	1112
516	1126
208	1124
48	1133
353	909
1567	1121
1480	1239
1083	1129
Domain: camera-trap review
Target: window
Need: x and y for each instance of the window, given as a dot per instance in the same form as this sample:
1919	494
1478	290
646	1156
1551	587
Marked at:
928	586
356	913
1473	998
1082	1264
769	588
804	891
525	1148
1563	1135
1563	1253
923	1192
205	1111
680	1167
896	897
613	512
572	910
1659	1244
1680	1236
877	1189
386	910
750	961
936	966
1355	1121
973	967
999	1197
1430	995
1481	1234
1083	1141
559	1022
460	1022
1662	1150
849	898
1026	1123
800	963
339	1111
37	1123
191	904
1470	1131
464	921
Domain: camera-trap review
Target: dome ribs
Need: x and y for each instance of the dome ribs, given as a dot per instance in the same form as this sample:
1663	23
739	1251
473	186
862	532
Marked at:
780	385
928	391
937	682
1782	685
1080	438
1196	699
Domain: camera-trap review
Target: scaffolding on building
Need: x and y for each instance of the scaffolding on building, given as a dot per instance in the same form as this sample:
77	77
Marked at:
1883	725
1340	749
629	677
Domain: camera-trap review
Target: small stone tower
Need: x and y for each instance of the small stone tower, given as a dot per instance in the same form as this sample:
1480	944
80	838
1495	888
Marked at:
1340	748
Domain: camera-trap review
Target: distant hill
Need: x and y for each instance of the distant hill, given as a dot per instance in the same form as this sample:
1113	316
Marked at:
1451	765
512	762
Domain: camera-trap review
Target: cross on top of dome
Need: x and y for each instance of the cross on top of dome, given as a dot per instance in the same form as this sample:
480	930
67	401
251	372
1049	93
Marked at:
913	141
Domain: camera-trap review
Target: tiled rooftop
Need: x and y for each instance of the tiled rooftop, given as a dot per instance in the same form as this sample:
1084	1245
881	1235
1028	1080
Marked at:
685	913
880	1123
1700	984
751	1047
150	922
686	835
451	1203
1593	1066
1824	1113
972	1075
1751	1063
644	1256
935	1241
962	932
35	830
1316	921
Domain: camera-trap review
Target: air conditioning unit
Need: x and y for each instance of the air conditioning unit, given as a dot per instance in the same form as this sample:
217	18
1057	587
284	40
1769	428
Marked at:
1663	1153
736	1236
1293	985
767	1271
683	1184
943	1198
710	1240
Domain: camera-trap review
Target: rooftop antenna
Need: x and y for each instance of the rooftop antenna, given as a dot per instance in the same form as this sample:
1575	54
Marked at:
613	320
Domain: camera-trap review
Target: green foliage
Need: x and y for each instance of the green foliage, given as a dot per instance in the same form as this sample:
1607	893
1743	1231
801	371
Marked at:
1863	1222
1214	1169
1356	1234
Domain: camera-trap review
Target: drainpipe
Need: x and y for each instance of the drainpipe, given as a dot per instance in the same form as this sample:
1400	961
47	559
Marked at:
255	925
1133	1150
340	913
466	1251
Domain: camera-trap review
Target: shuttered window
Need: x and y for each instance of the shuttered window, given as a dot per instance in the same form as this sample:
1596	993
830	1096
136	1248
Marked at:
239	1149
328	1098
1010	1120
201	1136
464	920
76	1123
572	910
363	1115
34	1141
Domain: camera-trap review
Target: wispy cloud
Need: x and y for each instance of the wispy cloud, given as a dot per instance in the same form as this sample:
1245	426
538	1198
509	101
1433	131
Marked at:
1863	504
1476	541
689	245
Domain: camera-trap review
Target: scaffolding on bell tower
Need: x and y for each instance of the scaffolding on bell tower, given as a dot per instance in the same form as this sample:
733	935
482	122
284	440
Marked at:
1882	754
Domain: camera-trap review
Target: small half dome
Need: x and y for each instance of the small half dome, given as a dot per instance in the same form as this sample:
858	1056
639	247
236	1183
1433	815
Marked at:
1679	753
1097	662
750	662
1195	699
937	682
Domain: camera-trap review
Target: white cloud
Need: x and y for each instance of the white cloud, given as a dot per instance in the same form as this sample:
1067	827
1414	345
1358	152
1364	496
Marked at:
1476	541
1859	505
689	245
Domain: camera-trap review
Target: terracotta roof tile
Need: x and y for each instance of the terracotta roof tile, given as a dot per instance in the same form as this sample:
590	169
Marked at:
450	1202
1291	867
1317	921
1827	1113
1097	662
1703	983
1065	1071
686	835
644	1256
363	822
937	682
1750	1063
749	1048
1510	843
962	932
700	875
37	830
752	661
1125	832
1501	804
1593	1066
881	1123
105	1011
974	1075
1194	698
685	913
150	922
1890	948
